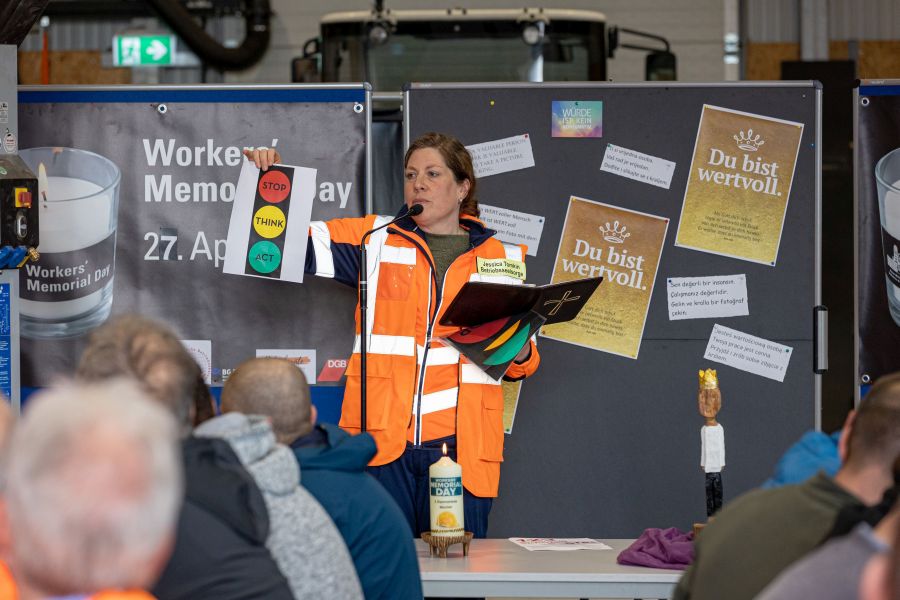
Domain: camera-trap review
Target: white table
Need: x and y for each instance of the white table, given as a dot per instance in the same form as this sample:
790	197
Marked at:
497	567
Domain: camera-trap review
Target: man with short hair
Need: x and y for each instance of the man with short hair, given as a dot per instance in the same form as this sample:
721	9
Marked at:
757	536
332	465
833	571
92	492
220	551
303	540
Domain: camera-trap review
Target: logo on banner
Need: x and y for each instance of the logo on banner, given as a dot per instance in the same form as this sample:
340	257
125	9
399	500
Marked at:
201	352
894	261
303	359
333	370
9	142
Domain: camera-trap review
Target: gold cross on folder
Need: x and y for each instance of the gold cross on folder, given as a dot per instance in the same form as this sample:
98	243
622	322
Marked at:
560	302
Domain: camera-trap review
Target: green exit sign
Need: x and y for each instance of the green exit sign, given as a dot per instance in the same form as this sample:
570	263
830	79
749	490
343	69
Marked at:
143	50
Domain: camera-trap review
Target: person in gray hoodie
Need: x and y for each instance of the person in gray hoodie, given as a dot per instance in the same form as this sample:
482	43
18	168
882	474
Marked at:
334	471
302	538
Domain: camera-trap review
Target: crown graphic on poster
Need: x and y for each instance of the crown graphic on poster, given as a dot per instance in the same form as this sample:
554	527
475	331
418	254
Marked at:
894	261
748	141
612	233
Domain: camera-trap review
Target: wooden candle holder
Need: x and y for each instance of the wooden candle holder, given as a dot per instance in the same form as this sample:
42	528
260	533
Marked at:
438	545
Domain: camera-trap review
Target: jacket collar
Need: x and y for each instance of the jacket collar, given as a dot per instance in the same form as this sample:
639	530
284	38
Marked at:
478	232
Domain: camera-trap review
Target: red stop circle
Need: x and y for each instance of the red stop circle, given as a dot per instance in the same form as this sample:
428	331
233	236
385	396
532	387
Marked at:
274	186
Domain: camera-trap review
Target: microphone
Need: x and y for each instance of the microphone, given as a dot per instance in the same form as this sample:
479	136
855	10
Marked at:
412	211
415	209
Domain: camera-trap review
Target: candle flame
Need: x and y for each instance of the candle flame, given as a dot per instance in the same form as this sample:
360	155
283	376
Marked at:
444	448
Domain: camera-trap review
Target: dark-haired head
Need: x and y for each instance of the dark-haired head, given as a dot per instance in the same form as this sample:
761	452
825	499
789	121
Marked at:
458	160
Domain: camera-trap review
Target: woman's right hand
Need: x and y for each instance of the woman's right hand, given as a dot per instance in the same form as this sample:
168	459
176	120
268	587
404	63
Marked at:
263	157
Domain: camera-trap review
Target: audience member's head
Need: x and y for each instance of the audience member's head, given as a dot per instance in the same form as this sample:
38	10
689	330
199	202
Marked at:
137	347
93	490
874	438
275	388
204	405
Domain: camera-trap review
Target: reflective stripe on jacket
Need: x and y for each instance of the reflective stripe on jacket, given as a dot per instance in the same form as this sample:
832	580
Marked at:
404	307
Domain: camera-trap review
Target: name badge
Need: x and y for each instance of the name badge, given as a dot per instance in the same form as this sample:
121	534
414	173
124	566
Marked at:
501	266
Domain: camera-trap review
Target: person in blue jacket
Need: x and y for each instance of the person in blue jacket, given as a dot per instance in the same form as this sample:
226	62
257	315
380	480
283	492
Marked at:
332	469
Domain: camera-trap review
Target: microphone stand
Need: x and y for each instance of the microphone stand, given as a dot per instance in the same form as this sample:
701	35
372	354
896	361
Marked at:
412	211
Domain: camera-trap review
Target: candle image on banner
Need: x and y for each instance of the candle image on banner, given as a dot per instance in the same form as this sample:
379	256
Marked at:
739	184
622	246
69	291
446	491
887	178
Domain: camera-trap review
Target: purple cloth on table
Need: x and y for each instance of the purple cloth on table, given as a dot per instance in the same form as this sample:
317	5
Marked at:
661	549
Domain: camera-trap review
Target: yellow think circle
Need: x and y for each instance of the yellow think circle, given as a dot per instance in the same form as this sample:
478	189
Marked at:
269	222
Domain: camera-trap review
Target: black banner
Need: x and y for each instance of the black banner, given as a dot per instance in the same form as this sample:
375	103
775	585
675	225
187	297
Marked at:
878	135
179	153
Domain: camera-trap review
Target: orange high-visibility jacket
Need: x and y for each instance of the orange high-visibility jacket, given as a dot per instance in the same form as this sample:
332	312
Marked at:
404	309
9	591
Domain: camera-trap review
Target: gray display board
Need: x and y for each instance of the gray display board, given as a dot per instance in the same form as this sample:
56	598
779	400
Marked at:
177	153
604	445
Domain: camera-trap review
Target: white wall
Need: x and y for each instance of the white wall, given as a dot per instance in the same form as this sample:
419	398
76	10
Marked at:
693	27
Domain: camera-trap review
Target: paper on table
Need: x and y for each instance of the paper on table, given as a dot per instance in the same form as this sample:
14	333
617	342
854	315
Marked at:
560	544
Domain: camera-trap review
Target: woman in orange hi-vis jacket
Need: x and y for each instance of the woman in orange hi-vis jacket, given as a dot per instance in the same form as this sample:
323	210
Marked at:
421	392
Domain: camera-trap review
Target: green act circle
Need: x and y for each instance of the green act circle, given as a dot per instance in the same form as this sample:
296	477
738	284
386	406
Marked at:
264	257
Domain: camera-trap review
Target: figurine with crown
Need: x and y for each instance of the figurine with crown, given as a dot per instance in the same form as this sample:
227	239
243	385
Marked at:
712	439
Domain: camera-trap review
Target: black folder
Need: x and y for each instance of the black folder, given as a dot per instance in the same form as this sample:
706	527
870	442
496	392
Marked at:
496	319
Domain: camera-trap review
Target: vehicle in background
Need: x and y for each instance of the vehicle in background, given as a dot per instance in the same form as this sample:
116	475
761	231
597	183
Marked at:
388	48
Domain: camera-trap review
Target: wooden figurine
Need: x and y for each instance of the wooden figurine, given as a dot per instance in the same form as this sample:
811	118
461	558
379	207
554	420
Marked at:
712	439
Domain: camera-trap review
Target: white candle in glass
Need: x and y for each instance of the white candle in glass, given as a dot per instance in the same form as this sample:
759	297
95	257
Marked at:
75	215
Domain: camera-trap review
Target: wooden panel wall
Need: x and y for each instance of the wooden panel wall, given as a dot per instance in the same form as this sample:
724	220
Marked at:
876	59
71	67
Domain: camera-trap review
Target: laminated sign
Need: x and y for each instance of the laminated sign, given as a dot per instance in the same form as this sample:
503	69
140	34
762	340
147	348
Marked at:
622	246
739	184
269	228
